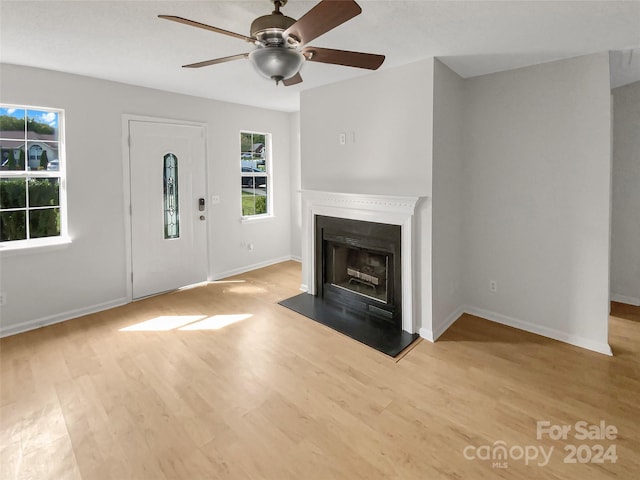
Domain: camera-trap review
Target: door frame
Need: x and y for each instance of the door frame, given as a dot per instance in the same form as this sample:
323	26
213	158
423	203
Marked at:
126	175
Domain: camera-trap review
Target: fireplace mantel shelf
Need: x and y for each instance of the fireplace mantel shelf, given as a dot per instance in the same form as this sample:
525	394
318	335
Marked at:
390	202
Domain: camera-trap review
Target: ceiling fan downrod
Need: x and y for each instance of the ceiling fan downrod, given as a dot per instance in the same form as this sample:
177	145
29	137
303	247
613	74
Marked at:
277	5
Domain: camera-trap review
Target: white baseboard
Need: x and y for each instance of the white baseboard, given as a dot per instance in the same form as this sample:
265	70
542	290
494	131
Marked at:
433	335
59	317
304	288
565	337
455	315
426	334
624	299
249	268
295	258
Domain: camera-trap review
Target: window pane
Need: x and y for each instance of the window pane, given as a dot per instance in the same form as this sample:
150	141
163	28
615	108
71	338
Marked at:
44	223
246	141
13	226
260	183
13	193
254	195
44	192
12	156
261	197
42	125
171	205
12	122
248	197
258	146
42	155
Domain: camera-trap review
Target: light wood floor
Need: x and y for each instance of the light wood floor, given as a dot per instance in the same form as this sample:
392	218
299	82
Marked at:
273	395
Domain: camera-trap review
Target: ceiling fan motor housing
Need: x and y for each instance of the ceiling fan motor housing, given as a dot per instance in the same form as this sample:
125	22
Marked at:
268	28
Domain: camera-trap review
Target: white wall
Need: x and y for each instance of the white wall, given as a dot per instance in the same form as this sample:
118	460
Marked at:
389	113
625	221
43	287
537	181
296	196
447	242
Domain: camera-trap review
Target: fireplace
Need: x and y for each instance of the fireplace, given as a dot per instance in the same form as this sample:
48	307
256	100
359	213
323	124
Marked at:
358	266
362	267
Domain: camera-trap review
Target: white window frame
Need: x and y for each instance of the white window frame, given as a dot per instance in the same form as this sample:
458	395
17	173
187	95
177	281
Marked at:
16	246
268	174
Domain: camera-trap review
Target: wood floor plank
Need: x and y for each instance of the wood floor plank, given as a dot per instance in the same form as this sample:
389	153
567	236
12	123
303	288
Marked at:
221	382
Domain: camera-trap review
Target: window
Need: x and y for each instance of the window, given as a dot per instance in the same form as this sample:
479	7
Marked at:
255	167
32	181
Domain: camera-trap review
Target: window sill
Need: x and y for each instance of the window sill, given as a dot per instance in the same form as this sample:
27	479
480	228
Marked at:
256	218
34	246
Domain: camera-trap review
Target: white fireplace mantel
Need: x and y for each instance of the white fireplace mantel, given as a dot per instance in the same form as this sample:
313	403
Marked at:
393	210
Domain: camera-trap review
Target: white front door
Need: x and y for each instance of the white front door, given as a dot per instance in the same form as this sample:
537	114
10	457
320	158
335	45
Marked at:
168	228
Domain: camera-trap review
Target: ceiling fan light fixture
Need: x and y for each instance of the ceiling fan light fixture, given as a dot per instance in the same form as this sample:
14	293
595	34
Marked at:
276	63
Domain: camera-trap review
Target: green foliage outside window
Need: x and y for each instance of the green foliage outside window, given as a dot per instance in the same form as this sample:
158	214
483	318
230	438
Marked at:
8	123
37	127
43	222
253	204
44	160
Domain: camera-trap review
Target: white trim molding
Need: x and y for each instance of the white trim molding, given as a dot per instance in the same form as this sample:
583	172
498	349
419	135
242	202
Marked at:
249	268
433	335
60	317
624	299
393	210
559	335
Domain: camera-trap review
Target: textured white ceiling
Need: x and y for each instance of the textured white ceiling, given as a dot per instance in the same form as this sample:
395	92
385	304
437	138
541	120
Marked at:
124	41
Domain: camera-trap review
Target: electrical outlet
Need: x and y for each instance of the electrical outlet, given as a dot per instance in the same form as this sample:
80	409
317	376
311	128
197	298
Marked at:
342	139
493	286
249	246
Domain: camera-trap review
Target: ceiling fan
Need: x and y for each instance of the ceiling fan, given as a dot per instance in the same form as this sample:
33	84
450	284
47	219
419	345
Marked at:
281	41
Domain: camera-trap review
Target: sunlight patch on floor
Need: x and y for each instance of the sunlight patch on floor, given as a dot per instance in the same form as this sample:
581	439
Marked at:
166	323
205	283
163	323
216	322
193	285
246	289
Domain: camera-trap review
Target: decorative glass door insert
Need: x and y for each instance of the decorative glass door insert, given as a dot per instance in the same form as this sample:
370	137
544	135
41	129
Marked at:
171	203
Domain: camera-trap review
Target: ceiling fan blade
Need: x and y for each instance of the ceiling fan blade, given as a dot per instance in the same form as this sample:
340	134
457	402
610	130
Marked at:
193	23
293	80
206	63
370	61
325	16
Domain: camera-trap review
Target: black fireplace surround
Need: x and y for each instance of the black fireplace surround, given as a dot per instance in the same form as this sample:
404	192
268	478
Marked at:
358	266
